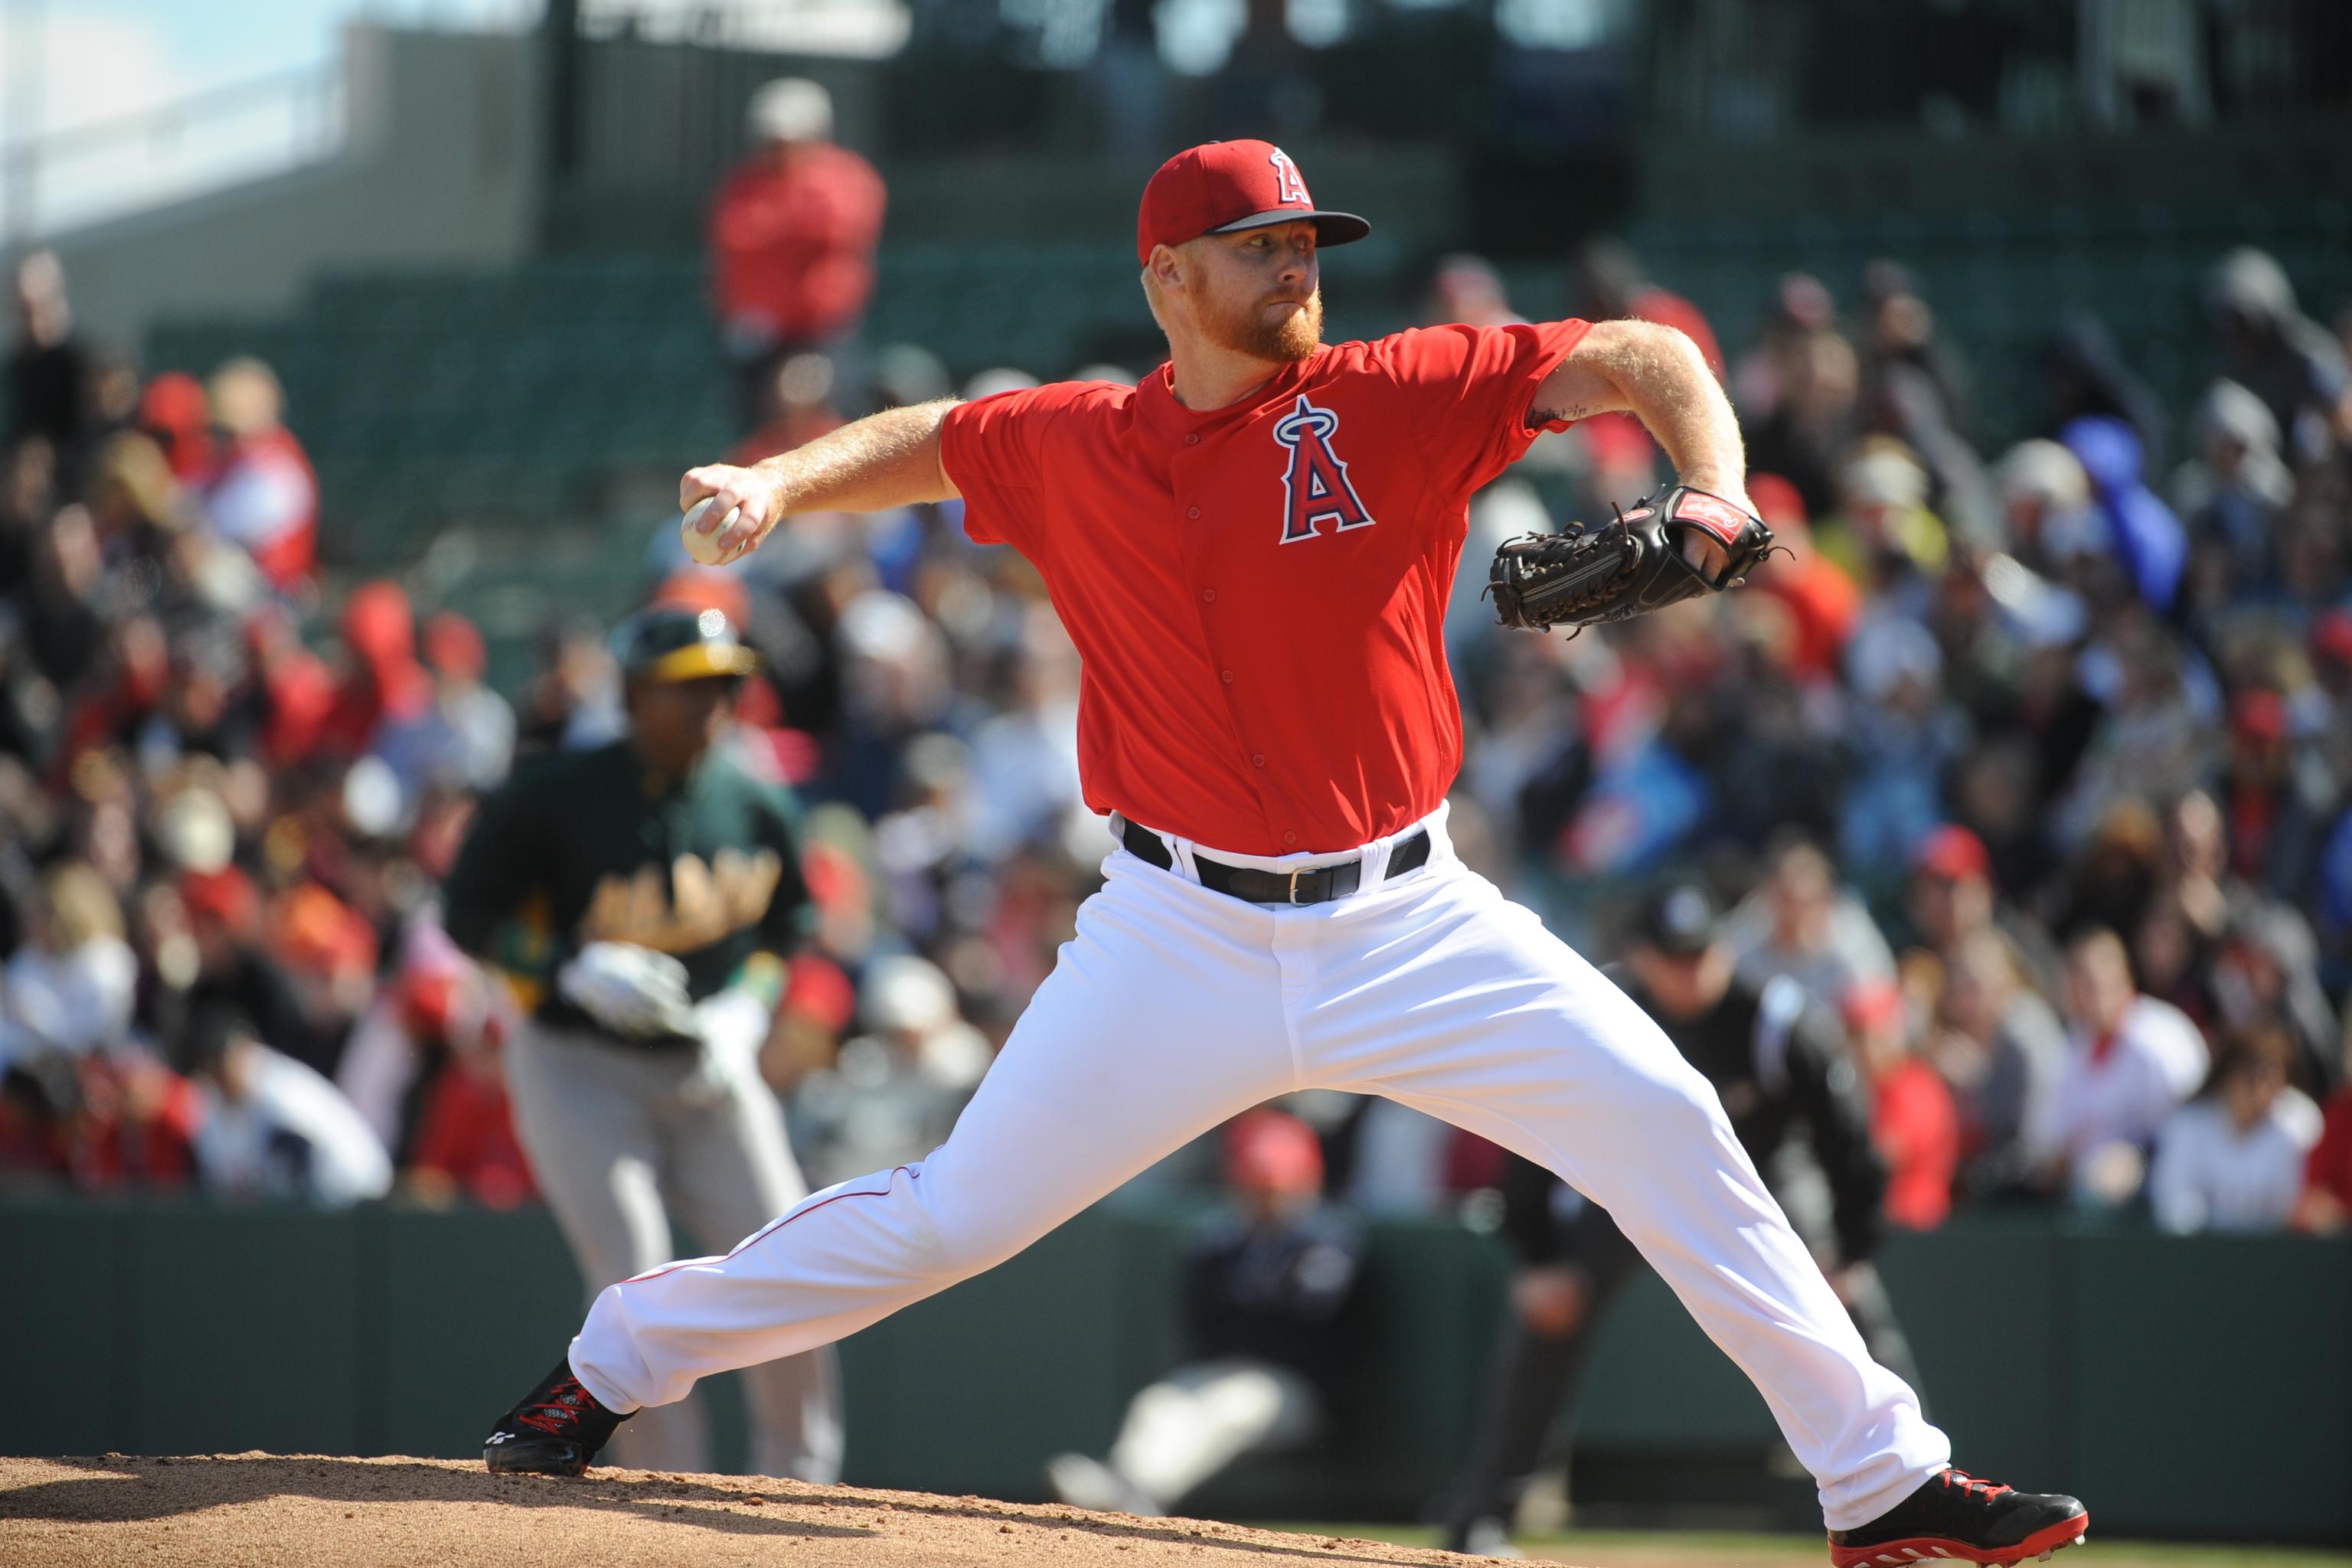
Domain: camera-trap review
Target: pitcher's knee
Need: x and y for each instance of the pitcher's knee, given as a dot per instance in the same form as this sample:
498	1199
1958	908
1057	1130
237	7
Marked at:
964	1237
1672	1109
975	1248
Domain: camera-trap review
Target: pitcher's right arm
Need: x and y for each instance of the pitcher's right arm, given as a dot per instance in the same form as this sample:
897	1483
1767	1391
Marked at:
885	460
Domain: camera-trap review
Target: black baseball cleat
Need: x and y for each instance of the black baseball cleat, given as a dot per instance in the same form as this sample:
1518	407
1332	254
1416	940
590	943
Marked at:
1954	1515
555	1431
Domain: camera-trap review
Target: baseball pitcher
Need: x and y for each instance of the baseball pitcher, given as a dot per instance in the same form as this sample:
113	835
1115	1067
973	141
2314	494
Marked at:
1252	548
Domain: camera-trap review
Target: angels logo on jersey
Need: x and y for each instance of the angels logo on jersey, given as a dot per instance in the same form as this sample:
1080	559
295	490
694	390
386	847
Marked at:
1315	485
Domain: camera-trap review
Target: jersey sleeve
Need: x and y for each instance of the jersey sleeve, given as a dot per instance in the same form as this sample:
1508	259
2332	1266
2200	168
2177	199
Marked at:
994	454
500	865
1471	390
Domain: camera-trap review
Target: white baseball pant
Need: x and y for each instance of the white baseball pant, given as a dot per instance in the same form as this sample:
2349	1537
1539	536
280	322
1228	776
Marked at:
1175	1008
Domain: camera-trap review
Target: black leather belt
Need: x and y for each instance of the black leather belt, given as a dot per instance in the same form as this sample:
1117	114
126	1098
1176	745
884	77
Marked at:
1307	885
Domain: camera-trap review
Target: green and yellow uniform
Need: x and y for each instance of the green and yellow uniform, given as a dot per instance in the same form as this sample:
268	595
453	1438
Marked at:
583	847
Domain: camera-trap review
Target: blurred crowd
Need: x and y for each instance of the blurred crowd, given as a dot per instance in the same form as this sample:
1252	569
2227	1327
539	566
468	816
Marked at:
2035	766
2030	763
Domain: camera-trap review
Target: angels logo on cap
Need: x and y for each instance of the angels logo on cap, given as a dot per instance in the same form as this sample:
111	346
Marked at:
1221	187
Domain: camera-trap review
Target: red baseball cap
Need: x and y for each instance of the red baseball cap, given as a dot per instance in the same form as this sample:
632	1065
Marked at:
2331	635
1953	854
2259	715
1872	1005
1270	1151
1221	187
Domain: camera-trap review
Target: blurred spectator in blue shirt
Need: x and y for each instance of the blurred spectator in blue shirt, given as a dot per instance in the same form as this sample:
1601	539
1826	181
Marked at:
2147	538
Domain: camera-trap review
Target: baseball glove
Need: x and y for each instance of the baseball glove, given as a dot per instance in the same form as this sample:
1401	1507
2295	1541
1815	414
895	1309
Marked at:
636	993
1643	561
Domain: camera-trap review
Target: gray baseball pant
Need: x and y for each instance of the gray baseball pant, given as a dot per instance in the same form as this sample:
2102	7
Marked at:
610	1137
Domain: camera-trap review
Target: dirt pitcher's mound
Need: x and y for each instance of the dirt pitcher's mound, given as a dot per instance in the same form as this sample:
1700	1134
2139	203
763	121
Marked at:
260	1508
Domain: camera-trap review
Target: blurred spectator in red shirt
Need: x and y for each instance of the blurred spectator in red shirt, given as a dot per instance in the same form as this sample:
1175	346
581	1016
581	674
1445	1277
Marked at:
466	1139
290	686
463	737
2276	813
2326	1202
1610	283
1608	286
32	1131
136	1123
264	495
1913	1122
422	1069
329	953
381	682
793	232
1822	600
122	691
175	411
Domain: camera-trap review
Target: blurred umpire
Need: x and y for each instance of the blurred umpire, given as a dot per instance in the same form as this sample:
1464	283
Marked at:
1778	1061
656	883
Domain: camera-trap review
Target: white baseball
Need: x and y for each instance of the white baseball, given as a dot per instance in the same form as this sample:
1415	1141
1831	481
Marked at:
704	548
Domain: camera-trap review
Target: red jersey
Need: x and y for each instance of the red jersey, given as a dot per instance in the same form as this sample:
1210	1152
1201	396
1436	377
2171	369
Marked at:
1257	592
2329	1167
1916	1128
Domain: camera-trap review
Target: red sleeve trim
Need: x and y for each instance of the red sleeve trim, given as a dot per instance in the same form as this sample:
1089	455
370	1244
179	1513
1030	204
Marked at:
1566	335
980	496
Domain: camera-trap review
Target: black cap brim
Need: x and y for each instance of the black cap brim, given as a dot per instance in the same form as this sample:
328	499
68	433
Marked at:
1677	945
1331	229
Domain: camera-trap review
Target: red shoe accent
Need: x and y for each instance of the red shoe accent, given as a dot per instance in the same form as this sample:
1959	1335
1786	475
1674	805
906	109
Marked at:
1954	1477
561	1410
1927	1548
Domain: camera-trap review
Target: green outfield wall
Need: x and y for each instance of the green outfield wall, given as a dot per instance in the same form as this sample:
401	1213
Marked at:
2192	1387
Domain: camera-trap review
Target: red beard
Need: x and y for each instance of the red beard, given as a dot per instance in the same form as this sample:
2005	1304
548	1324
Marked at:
1283	341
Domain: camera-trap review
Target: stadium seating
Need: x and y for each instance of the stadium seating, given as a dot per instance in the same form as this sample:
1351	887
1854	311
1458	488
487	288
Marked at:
541	408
